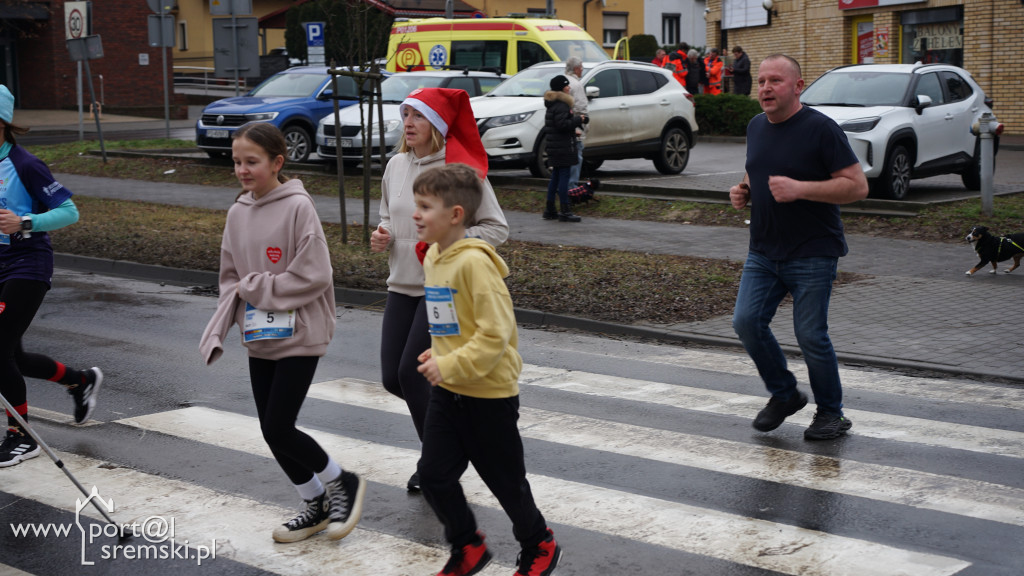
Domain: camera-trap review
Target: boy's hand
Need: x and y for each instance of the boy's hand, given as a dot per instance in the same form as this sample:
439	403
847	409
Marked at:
428	367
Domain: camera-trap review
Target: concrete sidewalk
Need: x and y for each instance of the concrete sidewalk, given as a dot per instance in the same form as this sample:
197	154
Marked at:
918	311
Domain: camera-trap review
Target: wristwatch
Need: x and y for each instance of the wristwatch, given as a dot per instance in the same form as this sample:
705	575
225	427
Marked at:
26	223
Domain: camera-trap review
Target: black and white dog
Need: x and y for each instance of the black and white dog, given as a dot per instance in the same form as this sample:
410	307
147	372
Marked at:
995	249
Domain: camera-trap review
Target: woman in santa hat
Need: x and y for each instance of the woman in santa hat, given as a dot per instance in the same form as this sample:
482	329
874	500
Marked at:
439	128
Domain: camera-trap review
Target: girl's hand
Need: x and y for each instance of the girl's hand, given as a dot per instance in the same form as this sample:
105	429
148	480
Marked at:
428	367
9	222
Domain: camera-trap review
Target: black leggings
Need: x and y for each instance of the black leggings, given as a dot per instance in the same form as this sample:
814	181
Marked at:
280	387
20	300
404	336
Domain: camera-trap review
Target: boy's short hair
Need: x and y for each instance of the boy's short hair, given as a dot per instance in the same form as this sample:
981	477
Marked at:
455	184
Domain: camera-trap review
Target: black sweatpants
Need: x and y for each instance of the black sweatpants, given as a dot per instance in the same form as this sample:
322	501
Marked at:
280	387
404	336
19	301
484	431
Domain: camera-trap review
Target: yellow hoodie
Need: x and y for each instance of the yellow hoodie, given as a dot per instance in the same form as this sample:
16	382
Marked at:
481	360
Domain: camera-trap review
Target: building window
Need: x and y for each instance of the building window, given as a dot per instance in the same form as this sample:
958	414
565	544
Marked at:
933	36
614	27
669	29
743	14
183	36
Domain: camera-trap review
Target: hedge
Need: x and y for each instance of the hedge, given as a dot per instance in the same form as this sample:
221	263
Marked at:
724	114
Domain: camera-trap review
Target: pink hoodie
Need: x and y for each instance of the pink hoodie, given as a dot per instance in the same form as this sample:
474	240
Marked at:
274	256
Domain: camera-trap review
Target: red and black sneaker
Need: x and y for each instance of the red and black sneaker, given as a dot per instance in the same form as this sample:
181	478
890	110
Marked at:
540	560
467	560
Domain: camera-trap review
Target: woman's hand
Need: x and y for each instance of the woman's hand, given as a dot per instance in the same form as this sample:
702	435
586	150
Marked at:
379	239
9	222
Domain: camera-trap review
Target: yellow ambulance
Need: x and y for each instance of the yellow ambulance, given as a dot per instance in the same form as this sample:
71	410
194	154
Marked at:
506	44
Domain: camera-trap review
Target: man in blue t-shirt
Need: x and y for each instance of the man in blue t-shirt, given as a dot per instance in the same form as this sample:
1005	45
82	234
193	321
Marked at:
799	168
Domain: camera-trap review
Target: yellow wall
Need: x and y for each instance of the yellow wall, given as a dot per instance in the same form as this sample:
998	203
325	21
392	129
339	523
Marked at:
196	13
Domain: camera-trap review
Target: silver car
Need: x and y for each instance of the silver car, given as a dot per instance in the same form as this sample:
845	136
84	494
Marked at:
395	89
905	121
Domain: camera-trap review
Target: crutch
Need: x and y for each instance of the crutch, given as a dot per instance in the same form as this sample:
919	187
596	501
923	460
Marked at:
53	456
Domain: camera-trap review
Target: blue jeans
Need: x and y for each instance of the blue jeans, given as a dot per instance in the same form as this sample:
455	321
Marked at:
559	184
574	173
763	285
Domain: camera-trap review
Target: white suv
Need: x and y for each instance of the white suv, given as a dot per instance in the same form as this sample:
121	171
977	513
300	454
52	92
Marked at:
636	110
905	121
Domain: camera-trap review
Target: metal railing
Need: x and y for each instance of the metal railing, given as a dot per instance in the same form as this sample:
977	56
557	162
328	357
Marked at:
195	78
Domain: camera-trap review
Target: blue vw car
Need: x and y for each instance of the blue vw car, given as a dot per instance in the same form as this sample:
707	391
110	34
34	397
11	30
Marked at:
293	100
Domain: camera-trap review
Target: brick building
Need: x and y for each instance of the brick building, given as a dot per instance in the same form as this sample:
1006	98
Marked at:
981	36
37	67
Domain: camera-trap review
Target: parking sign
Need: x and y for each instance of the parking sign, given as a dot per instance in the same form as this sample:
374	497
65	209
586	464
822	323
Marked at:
315	43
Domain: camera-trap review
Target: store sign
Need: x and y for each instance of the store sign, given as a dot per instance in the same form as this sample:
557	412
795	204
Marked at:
851	4
939	36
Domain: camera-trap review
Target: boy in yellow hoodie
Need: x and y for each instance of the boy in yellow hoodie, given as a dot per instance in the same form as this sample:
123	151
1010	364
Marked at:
473	367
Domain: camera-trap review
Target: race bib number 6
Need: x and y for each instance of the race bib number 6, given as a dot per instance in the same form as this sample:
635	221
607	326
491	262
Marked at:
267	324
441	314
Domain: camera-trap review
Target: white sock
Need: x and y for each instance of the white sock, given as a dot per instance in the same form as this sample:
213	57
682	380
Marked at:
311	489
331	472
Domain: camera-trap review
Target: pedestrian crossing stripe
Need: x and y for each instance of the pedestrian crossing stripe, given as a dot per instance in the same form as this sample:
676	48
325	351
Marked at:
759	543
240	526
966	497
869	424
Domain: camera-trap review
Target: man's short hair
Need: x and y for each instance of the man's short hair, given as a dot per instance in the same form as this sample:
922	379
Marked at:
455	184
572	63
790	59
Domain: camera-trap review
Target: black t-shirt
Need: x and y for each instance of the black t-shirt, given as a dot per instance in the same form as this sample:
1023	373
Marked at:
809	146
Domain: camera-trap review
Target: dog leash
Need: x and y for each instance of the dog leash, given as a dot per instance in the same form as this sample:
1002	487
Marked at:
1005	239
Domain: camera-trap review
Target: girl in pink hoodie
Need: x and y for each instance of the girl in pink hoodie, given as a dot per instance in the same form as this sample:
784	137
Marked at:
277	284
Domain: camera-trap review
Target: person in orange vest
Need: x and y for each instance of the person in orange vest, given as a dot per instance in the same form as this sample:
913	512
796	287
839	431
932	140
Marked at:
660	57
714	66
678	67
683	50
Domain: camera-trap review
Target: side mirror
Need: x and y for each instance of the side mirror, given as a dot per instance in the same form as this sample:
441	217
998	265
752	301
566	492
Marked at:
921	102
593	92
326	94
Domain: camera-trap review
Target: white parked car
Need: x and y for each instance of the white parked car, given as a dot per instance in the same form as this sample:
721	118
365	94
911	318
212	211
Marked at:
636	110
905	121
394	89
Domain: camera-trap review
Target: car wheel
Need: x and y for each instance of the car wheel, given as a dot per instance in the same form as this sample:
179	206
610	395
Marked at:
674	153
894	183
539	167
590	166
972	176
299	142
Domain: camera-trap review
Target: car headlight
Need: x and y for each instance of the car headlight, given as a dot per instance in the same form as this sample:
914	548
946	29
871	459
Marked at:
389	126
261	116
860	124
506	120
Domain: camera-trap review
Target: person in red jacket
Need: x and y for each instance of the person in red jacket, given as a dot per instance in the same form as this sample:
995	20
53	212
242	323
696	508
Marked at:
713	64
678	67
660	57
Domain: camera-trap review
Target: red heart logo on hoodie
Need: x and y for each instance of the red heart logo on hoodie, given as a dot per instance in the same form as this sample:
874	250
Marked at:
274	254
2	306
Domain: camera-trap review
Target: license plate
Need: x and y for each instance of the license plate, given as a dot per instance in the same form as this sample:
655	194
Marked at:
330	142
216	133
346	142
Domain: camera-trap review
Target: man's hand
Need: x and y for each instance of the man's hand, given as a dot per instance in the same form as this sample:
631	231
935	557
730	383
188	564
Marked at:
739	195
428	367
784	189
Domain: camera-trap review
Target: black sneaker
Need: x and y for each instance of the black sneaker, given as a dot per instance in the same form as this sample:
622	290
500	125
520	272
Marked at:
311	520
413	485
17	446
85	394
550	215
346	494
827	426
540	560
775	413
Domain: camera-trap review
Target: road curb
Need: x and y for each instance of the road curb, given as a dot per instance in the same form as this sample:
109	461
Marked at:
376	299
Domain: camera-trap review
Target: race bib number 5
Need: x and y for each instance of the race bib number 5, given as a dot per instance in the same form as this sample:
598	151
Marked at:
267	324
441	311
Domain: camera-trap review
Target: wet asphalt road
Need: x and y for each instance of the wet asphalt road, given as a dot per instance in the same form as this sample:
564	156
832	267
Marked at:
641	457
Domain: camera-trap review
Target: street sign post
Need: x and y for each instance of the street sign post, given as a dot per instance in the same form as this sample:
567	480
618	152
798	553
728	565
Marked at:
161	34
82	50
315	43
78	23
242	33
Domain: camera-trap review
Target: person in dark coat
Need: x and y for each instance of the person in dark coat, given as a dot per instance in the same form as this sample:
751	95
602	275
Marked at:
696	73
741	80
560	126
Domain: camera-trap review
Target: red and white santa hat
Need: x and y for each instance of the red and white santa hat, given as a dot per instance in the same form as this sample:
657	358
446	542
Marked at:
448	110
